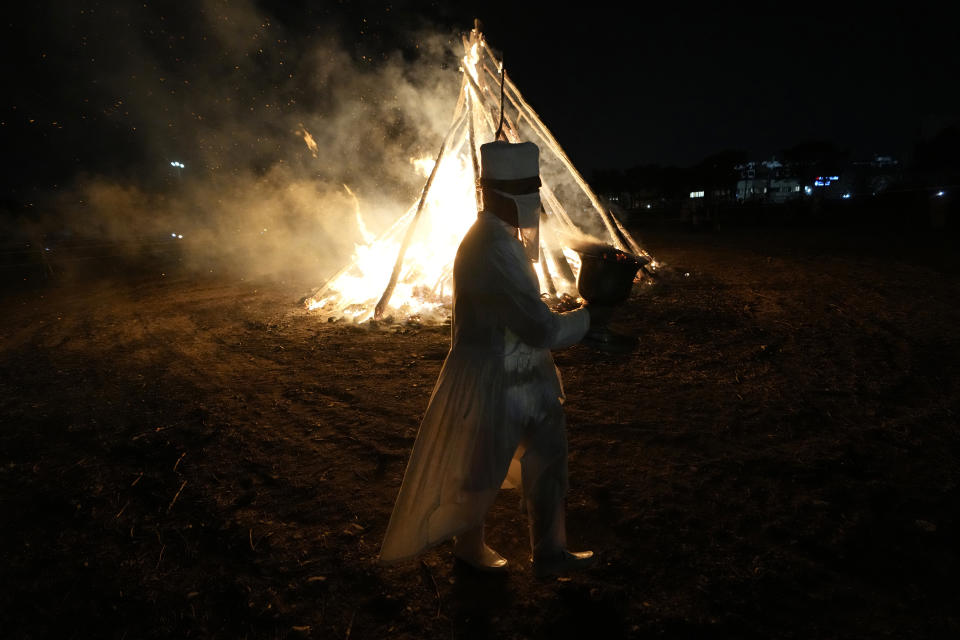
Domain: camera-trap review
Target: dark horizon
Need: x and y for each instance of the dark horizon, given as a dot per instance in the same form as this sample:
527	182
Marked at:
108	89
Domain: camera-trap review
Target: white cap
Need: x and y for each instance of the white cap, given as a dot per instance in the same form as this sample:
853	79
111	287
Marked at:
503	160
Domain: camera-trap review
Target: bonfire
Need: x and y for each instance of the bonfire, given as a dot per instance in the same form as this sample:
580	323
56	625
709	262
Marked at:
406	272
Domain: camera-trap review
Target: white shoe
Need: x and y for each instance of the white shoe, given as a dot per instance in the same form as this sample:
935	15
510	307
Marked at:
564	562
482	559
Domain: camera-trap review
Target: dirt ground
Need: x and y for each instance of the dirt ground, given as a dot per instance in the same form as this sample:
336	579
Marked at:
192	455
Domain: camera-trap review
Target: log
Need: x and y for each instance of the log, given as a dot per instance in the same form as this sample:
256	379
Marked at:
550	240
545	268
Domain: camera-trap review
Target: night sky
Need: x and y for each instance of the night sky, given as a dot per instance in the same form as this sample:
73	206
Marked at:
111	87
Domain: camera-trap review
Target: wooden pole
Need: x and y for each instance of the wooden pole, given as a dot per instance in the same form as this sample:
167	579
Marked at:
545	267
549	239
472	139
476	88
398	265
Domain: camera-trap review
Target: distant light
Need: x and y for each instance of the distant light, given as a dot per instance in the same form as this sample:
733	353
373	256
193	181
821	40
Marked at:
173	235
648	206
178	165
940	194
808	190
846	196
696	194
180	236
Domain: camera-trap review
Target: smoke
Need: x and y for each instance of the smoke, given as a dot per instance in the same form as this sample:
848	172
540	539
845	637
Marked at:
270	122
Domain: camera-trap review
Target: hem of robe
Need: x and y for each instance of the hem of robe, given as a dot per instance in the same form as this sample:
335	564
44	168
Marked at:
395	561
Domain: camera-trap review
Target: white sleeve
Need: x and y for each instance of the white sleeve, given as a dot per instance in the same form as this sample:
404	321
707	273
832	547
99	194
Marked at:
517	301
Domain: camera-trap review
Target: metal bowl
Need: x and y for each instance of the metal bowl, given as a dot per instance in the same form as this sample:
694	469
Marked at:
606	274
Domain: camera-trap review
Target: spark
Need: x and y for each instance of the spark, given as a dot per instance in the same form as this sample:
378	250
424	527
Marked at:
311	143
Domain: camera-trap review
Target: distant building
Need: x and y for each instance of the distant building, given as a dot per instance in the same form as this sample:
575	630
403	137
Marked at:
698	191
751	189
766	181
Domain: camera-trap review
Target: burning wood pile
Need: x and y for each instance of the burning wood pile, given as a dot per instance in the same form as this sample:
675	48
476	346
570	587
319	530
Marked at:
405	274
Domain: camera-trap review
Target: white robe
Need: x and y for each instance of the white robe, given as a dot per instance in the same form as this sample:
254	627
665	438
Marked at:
498	390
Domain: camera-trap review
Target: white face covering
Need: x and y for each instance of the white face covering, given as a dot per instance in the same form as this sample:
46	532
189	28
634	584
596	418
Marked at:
528	221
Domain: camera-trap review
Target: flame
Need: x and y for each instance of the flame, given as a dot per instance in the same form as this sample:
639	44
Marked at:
424	283
471	58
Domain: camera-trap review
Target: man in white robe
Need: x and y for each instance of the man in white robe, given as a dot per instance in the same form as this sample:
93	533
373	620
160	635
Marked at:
496	409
